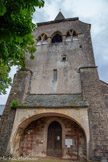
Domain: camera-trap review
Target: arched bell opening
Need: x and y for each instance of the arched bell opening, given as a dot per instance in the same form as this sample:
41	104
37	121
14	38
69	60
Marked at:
45	40
57	38
71	35
38	41
42	39
68	37
75	36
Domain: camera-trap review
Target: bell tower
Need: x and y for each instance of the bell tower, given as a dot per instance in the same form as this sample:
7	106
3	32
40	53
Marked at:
64	64
62	109
63	46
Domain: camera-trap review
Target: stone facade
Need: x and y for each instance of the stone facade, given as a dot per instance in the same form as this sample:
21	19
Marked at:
25	116
49	57
61	84
17	92
33	140
96	112
104	89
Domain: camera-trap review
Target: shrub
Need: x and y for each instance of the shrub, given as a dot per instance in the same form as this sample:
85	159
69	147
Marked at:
14	103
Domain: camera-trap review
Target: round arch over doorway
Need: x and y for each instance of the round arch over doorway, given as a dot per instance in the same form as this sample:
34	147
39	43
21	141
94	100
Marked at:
18	134
43	138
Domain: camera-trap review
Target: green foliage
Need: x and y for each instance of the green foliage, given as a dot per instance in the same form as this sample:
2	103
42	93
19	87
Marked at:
5	81
14	103
15	36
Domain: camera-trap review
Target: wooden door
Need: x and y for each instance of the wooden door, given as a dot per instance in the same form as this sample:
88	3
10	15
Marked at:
54	139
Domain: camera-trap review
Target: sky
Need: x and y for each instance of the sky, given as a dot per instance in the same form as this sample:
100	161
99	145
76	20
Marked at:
94	12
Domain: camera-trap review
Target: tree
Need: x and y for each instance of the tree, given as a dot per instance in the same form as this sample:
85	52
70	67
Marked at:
15	36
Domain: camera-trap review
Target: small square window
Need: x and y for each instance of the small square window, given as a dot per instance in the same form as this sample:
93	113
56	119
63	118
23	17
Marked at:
64	58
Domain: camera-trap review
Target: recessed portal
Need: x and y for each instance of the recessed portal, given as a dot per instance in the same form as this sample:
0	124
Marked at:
64	139
54	139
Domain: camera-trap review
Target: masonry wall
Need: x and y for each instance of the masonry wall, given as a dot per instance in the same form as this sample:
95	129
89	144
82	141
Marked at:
91	89
20	86
25	116
104	89
33	139
70	80
49	57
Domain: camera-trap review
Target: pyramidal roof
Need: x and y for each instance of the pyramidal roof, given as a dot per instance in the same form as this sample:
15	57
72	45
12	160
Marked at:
59	16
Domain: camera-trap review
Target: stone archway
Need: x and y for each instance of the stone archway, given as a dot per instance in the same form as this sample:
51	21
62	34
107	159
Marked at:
32	140
21	123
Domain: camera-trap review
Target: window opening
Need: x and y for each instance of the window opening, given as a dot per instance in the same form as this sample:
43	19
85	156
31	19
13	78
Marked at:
45	40
64	58
68	37
75	36
80	46
57	38
39	41
55	75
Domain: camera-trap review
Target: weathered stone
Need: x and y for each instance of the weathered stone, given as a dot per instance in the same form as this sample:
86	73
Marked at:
17	92
63	86
72	100
33	141
96	113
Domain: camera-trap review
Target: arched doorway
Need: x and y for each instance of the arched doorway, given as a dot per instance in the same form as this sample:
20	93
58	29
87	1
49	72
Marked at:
54	139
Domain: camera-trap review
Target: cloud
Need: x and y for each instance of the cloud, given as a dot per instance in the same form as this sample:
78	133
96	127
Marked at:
48	12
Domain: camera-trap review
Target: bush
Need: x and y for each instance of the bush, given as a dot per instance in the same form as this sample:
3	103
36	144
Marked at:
14	103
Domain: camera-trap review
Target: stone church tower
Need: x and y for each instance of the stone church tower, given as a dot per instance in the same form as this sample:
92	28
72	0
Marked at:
63	105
